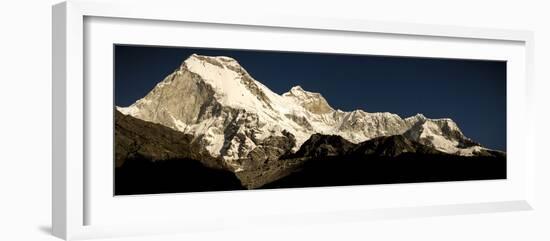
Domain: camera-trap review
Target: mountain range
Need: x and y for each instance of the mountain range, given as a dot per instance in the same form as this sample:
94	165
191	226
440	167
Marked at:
212	111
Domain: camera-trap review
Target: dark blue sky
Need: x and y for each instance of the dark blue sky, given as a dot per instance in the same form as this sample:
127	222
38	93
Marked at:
471	92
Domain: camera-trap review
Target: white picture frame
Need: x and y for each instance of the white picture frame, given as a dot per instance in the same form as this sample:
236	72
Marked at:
72	190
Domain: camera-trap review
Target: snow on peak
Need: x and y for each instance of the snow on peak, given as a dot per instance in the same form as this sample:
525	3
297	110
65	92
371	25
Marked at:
416	118
297	90
444	135
222	59
311	101
447	124
232	84
419	116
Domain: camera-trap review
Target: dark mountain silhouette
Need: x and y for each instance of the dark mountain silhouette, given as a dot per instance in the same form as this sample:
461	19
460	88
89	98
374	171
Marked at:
151	158
383	160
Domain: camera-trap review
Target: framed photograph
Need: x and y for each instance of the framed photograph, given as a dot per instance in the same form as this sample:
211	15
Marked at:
167	122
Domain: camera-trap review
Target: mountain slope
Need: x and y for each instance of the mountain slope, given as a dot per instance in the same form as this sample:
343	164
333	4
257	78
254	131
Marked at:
138	139
405	168
328	160
151	158
321	146
382	160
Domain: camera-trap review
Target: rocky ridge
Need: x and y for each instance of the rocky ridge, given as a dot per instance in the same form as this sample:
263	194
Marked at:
236	119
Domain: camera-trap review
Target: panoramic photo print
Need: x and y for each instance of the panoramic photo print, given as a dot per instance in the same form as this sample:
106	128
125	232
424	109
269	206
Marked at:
202	119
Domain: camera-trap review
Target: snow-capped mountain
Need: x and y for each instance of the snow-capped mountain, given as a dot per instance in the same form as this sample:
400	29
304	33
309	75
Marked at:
231	114
444	135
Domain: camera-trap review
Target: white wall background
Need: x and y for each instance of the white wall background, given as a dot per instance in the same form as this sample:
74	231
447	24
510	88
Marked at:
25	119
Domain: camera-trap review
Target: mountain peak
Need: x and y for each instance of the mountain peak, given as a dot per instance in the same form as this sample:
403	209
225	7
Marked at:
311	101
420	116
203	57
444	135
416	119
297	89
219	61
